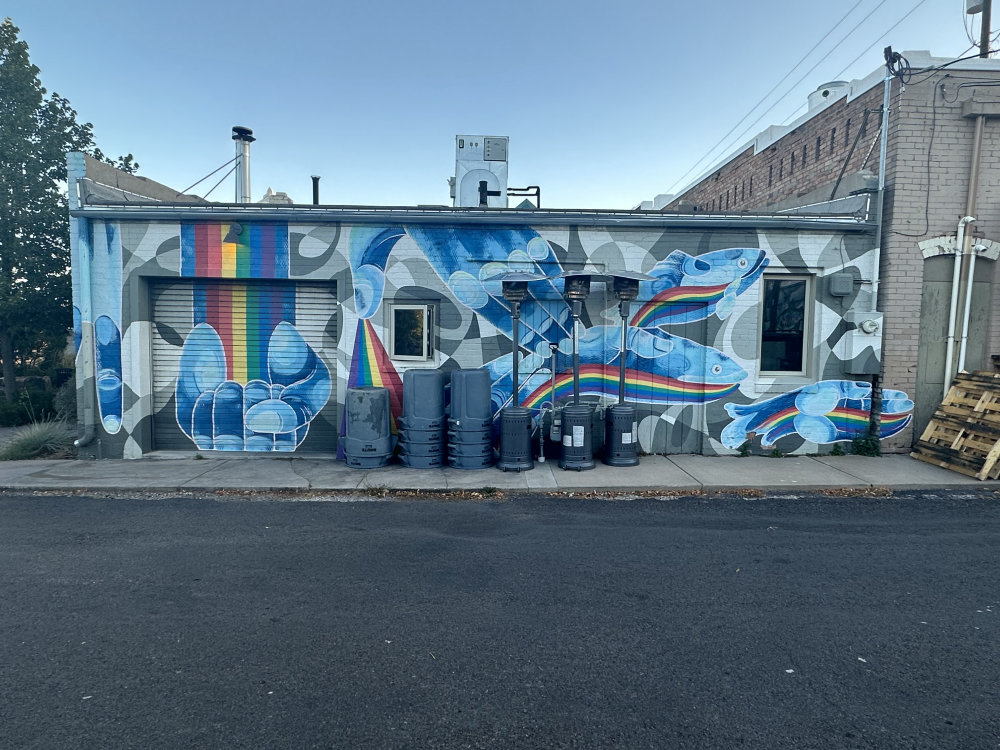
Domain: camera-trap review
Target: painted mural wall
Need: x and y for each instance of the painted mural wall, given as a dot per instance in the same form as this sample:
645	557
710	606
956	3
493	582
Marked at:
248	379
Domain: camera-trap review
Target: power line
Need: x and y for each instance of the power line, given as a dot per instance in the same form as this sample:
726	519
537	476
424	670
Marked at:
883	36
783	96
869	49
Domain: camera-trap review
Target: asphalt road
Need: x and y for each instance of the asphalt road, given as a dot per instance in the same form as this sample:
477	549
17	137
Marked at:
811	622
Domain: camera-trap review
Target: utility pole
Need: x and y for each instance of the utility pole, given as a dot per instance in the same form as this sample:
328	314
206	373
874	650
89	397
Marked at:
984	32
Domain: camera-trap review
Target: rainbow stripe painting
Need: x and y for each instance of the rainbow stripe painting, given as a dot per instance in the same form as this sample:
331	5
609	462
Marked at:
371	366
640	387
244	316
677	304
235	251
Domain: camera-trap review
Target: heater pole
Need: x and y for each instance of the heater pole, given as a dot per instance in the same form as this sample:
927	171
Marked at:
515	312
577	304
623	309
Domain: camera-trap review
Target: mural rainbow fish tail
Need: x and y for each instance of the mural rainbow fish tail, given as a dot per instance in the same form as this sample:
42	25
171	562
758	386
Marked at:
687	288
660	368
824	412
470	262
230	395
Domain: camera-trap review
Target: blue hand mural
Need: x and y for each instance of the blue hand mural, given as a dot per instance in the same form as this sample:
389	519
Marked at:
218	413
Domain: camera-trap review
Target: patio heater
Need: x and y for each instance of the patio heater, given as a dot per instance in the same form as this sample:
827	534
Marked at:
515	420
577	418
621	441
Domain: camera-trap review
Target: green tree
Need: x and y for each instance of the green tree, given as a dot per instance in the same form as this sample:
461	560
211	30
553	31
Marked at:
36	131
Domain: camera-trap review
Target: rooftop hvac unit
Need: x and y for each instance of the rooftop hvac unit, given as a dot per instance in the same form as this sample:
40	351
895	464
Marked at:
480	159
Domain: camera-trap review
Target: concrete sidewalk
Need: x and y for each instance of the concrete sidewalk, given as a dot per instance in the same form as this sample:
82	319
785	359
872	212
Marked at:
678	473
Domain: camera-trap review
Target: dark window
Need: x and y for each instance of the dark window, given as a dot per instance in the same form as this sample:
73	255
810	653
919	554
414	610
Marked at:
783	324
819	143
727	199
735	195
751	186
791	168
847	134
833	138
770	175
411	332
805	154
743	191
781	170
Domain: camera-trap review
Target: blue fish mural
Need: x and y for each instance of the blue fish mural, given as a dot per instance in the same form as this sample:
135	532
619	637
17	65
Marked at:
687	288
825	412
660	368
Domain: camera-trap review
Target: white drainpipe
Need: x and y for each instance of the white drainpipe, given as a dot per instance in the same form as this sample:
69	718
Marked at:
968	306
953	309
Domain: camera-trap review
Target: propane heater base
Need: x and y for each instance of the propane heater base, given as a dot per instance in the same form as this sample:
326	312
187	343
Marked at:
621	444
515	439
577	446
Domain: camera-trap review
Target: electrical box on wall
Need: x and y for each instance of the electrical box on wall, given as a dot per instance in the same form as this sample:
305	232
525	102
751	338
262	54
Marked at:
863	350
480	159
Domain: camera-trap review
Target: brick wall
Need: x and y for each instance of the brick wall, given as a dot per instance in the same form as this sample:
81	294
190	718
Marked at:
930	153
929	149
808	157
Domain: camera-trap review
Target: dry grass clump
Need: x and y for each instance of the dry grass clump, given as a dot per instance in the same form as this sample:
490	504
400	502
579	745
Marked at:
47	439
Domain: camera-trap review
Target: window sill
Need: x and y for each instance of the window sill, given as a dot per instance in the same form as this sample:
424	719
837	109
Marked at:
766	382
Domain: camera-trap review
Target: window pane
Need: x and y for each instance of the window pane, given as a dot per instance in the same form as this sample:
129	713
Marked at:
408	333
783	329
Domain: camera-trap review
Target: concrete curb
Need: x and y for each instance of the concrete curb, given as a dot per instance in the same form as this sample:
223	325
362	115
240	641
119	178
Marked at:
670	475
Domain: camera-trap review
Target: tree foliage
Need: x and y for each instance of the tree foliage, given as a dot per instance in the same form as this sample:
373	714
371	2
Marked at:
36	131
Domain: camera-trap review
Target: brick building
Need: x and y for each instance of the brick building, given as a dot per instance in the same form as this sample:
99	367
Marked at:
833	151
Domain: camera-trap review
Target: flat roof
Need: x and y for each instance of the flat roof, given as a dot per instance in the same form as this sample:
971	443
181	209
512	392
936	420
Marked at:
168	211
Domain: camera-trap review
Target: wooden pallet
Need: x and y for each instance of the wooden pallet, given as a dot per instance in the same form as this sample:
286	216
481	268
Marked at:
964	433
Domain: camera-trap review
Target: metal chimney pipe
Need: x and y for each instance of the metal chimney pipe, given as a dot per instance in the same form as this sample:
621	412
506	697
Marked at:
315	179
243	137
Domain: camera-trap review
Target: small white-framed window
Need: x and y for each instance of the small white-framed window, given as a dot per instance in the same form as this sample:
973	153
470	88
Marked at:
785	324
411	331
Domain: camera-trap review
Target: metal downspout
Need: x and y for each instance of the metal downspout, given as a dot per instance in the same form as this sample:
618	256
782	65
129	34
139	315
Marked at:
968	258
953	305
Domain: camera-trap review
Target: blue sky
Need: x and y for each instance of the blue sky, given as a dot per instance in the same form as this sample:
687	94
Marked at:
606	104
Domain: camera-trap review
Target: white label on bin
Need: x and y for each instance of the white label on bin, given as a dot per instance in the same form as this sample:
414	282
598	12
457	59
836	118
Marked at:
568	440
626	438
578	436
